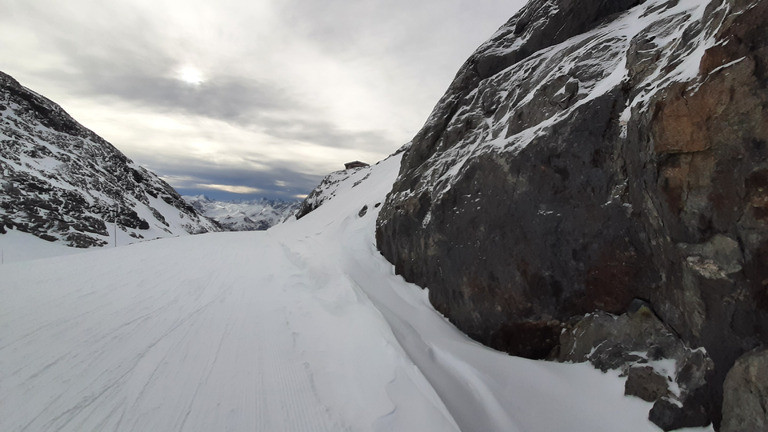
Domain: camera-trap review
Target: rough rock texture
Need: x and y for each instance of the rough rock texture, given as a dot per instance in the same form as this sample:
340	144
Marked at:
62	182
646	383
745	403
624	158
659	367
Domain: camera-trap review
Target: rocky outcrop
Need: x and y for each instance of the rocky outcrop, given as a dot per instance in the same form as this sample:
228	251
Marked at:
745	404
626	159
62	182
659	367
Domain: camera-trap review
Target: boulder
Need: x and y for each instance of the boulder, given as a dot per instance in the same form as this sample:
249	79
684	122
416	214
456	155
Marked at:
627	159
745	398
647	384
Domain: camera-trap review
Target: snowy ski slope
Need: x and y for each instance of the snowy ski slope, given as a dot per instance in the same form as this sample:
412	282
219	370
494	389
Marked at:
300	328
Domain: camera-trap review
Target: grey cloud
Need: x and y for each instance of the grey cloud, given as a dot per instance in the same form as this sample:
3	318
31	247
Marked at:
328	135
235	100
295	182
128	57
240	101
138	71
133	71
243	102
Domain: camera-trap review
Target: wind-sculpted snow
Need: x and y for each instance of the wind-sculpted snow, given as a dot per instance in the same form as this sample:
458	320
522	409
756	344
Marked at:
303	327
62	182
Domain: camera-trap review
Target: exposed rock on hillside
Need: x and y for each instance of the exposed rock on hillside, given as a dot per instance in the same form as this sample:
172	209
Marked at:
589	154
62	182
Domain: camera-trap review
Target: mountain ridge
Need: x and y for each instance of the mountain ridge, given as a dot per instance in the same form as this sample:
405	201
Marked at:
62	182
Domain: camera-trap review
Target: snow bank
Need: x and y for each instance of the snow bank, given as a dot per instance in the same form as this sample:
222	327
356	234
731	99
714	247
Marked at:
18	246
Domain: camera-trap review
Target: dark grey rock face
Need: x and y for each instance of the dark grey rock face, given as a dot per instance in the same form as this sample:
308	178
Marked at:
627	160
745	404
542	24
62	182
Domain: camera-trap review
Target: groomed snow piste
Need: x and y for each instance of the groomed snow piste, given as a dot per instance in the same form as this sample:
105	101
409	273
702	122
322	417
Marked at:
303	327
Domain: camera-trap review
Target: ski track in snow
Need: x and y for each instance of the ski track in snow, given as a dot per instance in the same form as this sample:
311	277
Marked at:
215	347
300	328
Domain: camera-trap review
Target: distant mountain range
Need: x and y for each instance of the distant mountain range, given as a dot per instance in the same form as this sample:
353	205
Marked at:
253	215
62	182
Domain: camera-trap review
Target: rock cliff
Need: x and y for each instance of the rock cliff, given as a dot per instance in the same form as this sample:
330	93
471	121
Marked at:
62	182
592	155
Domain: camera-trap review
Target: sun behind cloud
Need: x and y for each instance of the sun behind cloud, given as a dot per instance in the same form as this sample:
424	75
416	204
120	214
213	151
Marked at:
190	74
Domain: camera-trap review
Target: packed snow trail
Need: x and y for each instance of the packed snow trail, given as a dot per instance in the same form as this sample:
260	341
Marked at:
221	332
300	328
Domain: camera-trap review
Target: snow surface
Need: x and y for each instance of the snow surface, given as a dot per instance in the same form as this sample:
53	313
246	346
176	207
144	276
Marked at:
304	327
20	246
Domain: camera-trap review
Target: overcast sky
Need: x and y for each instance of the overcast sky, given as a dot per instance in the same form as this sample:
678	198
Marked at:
246	98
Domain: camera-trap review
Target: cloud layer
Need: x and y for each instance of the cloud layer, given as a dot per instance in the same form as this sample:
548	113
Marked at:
283	91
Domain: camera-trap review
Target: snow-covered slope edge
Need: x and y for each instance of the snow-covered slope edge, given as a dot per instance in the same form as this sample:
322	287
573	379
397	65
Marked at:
325	190
62	182
483	389
302	327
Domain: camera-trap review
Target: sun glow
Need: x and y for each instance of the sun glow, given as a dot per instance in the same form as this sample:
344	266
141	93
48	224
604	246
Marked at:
231	188
190	75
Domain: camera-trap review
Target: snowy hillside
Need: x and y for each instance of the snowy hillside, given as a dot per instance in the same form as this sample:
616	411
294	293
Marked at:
61	182
303	327
253	215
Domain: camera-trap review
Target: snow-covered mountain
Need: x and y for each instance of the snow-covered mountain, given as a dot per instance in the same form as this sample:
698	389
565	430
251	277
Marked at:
326	190
62	182
247	215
